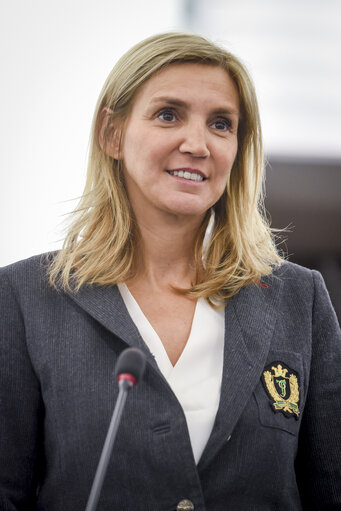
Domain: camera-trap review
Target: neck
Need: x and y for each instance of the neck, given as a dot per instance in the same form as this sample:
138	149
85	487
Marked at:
167	248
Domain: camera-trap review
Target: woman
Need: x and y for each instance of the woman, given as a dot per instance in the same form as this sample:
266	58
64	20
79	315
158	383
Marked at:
169	251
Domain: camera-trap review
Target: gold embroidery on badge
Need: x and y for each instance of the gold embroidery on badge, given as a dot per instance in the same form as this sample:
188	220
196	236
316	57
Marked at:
283	400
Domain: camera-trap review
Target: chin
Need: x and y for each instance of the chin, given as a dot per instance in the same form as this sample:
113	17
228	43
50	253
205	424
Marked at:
184	210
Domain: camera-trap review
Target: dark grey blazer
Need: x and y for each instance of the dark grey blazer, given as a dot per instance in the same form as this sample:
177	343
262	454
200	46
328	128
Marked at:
276	439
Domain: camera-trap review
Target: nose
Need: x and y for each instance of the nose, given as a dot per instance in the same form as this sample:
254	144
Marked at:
194	140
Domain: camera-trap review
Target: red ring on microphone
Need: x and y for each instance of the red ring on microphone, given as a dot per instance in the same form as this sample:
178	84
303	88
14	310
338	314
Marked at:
126	377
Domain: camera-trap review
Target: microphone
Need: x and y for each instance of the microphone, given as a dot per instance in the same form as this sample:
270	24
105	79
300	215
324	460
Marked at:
129	370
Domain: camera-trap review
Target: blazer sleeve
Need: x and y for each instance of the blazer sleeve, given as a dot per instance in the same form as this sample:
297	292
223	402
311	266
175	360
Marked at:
20	408
318	465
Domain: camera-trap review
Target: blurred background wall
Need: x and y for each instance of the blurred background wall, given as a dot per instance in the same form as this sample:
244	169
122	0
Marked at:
56	55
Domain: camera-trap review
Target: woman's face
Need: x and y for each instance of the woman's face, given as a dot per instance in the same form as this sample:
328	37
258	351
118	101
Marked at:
180	140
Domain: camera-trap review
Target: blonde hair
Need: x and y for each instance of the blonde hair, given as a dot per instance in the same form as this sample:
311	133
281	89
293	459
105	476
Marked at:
101	244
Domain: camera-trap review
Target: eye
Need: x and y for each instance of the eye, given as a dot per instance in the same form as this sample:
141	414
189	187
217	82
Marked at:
222	124
167	115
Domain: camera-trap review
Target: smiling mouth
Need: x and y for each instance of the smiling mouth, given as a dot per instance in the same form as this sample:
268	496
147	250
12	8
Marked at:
185	174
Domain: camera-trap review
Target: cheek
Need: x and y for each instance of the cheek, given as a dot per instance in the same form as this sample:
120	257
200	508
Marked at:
159	147
144	149
130	147
227	160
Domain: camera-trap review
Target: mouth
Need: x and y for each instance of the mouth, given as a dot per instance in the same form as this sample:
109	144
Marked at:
189	174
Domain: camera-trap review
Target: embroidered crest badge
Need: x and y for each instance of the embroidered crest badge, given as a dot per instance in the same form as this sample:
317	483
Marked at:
282	385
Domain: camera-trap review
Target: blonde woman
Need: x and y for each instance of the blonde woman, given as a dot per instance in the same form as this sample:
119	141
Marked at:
169	251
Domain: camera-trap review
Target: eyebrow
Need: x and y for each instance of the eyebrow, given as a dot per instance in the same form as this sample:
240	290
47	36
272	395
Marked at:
182	104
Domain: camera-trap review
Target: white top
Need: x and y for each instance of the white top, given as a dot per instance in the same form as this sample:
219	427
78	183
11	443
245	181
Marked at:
196	377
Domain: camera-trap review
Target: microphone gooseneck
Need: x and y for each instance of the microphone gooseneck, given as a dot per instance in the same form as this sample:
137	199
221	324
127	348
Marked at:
129	370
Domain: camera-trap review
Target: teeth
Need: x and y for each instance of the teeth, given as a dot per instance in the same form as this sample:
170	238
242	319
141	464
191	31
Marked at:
192	176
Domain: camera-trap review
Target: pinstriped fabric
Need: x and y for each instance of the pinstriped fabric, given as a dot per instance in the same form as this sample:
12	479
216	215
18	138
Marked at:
57	392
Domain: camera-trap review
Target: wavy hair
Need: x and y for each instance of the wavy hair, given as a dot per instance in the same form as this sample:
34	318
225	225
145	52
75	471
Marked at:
102	241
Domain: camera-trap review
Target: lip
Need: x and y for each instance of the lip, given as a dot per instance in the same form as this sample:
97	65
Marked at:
191	170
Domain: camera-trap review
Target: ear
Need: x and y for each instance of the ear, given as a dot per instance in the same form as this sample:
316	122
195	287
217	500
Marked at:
109	134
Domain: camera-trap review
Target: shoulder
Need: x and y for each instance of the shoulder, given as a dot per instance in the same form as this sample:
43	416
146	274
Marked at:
295	279
288	272
298	279
36	264
26	277
304	293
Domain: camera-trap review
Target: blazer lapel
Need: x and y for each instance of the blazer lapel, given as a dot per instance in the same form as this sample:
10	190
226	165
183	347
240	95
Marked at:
105	304
250	318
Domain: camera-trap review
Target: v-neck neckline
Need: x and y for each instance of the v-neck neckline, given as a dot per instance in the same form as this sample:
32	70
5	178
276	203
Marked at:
147	331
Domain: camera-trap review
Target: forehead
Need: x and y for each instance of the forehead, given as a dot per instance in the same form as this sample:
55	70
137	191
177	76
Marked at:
188	81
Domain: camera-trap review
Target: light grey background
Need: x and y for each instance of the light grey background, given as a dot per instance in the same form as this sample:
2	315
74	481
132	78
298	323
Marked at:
55	56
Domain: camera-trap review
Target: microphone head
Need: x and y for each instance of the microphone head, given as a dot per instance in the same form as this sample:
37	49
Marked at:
131	361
